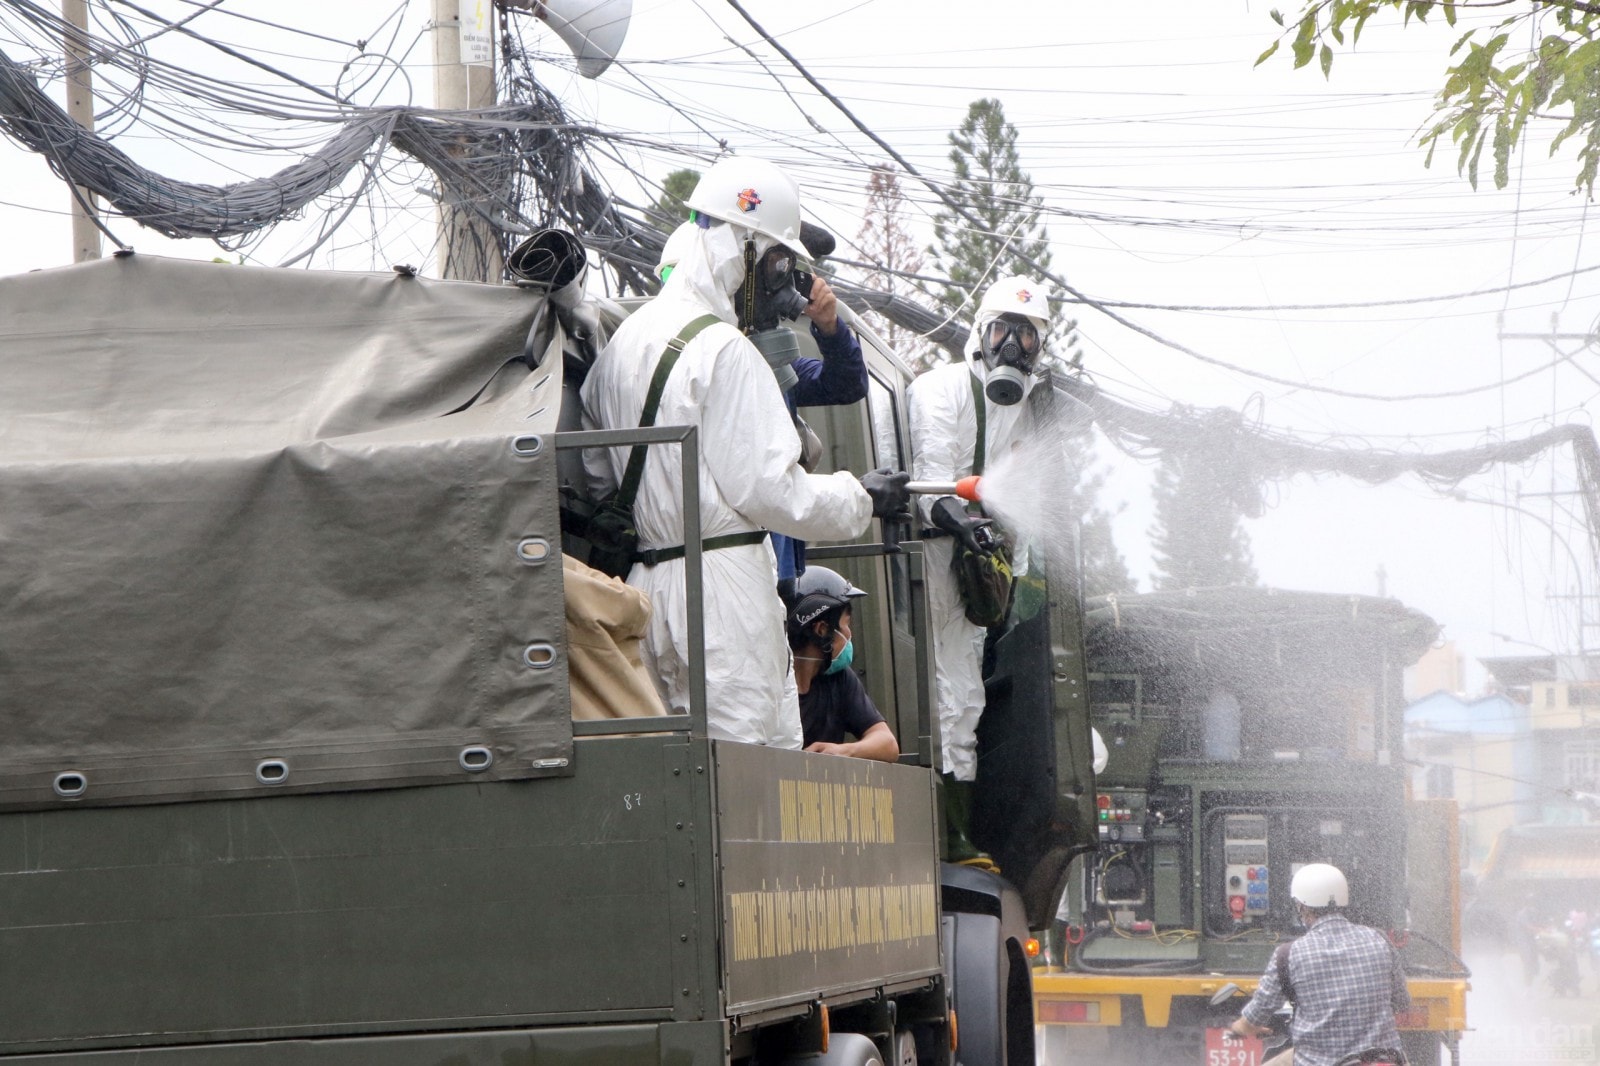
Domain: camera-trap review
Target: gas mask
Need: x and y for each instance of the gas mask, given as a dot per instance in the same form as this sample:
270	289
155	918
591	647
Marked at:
1010	345
773	292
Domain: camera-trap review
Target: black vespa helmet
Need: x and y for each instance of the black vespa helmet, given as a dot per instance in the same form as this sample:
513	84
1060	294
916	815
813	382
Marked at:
819	594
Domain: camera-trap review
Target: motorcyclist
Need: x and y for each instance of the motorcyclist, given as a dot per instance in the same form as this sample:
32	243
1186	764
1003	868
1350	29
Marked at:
946	406
740	257
1345	980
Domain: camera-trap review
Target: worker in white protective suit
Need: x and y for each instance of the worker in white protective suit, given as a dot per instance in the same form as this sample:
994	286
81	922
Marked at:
947	405
741	254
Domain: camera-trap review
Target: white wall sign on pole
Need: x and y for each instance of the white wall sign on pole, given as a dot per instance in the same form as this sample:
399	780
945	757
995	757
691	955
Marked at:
477	34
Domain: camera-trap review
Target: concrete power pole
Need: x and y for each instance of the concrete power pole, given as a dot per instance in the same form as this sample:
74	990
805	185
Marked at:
80	106
463	79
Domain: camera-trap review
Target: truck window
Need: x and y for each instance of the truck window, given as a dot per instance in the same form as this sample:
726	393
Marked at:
885	424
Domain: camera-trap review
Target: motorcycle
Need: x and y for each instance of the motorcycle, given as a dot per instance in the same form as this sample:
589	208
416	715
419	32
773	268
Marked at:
1278	1039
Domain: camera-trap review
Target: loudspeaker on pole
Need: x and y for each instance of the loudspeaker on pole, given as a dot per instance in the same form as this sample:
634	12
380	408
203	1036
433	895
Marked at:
593	29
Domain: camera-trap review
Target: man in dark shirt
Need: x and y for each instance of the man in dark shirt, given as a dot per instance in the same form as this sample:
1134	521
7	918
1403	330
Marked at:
834	705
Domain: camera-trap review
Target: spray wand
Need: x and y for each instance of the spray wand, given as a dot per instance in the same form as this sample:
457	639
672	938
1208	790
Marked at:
968	488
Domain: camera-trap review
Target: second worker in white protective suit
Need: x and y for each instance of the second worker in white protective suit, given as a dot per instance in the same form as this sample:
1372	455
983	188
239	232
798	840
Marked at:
742	251
946	407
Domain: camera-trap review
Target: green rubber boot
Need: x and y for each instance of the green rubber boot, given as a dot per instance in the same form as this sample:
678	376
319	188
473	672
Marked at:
958	846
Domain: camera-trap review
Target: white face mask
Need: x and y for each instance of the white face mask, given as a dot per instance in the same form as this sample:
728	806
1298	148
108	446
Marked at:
724	245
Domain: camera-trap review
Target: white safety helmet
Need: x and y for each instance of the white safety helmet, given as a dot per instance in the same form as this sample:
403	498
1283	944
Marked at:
1016	296
754	194
1319	886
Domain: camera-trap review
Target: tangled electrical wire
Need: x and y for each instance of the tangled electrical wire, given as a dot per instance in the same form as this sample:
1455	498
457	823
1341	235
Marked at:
1253	455
175	208
525	164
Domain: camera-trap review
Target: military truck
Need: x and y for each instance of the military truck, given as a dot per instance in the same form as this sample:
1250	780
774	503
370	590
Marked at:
288	771
1250	731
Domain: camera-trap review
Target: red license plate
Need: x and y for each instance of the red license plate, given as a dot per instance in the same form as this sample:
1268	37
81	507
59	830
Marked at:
1223	1048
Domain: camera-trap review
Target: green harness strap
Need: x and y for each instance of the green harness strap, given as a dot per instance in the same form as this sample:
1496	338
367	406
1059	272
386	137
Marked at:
652	556
978	445
635	471
652	403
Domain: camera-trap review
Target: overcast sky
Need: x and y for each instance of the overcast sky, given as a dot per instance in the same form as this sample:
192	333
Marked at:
1175	173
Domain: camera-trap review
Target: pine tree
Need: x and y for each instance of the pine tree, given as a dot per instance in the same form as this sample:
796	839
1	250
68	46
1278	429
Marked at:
886	243
1104	568
1198	538
676	187
992	187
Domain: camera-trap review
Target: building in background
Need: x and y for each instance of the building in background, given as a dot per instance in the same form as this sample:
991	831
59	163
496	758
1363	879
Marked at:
1528	753
1439	670
1478	753
1562	696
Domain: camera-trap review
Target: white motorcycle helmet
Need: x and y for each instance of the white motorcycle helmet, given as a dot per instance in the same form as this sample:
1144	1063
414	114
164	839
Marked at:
1319	886
753	194
1012	322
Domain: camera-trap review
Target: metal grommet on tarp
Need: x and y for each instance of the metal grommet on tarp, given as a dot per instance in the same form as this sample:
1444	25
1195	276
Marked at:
527	445
539	656
272	771
533	550
476	758
70	784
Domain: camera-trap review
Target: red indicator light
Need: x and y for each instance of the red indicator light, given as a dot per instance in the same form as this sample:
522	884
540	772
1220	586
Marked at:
1067	1013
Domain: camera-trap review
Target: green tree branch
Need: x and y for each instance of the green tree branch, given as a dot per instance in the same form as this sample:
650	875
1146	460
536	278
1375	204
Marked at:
1494	87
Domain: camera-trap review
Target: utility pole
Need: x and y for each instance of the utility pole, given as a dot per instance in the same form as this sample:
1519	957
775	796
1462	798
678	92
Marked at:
80	107
1585	491
463	79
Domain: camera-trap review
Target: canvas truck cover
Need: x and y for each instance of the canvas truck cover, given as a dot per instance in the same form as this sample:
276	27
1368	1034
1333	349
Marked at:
273	530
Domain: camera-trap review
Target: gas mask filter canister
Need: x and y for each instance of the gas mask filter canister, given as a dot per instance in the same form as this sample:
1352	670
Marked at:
780	348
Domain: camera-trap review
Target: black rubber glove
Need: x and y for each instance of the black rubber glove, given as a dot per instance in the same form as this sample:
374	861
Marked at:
950	515
890	497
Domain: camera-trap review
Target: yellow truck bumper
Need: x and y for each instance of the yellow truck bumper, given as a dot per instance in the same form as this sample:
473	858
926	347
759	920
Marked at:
1063	997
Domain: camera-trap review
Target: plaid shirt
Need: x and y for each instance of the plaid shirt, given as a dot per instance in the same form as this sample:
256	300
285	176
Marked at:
1346	982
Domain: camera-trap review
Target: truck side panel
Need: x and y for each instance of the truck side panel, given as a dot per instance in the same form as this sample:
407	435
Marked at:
618	1045
829	875
395	910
